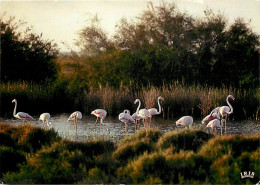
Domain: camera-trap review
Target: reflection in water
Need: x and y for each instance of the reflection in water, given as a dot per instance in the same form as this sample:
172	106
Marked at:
114	130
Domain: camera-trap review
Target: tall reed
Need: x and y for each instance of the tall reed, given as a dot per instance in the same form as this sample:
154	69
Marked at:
180	100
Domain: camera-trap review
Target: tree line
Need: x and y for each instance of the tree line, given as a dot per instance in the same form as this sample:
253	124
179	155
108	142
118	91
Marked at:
160	46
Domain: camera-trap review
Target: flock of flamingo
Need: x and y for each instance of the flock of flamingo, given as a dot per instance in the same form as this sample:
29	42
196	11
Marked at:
214	120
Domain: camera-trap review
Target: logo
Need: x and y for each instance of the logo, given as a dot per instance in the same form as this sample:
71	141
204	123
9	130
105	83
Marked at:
248	174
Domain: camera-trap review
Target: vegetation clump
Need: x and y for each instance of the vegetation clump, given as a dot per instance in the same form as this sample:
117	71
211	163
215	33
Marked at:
175	157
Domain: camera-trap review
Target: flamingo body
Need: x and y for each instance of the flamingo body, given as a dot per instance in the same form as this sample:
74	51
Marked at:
45	118
99	113
21	115
185	121
213	124
75	115
210	117
125	117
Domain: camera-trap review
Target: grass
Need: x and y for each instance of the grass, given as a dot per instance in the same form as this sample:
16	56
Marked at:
180	100
149	157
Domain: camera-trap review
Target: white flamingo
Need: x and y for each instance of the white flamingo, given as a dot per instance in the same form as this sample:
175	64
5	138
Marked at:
144	113
214	124
99	113
224	111
154	111
186	121
21	115
137	118
45	118
75	116
125	117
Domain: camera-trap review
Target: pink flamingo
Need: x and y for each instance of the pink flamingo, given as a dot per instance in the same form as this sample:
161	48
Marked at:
125	117
45	117
144	113
99	113
224	111
185	121
212	115
154	111
21	115
75	116
213	124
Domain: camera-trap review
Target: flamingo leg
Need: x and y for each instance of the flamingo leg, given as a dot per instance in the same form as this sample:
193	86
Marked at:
76	124
135	125
100	125
221	130
96	123
226	125
150	122
125	128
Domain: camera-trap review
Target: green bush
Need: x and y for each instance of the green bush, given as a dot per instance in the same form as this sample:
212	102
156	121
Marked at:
10	158
184	140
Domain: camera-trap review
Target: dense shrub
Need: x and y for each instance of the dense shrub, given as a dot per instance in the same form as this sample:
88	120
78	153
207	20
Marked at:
10	158
184	140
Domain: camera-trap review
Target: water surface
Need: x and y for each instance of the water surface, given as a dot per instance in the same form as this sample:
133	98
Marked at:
113	129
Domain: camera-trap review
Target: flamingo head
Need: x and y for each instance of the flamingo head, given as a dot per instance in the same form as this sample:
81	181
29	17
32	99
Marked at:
136	101
232	97
160	97
14	100
127	111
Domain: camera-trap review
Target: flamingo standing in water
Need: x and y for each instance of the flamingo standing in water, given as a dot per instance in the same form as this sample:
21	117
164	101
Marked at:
144	113
214	124
45	117
154	111
125	117
75	116
137	118
185	121
99	113
21	115
224	111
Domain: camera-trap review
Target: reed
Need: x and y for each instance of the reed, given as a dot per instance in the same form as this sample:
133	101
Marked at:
180	100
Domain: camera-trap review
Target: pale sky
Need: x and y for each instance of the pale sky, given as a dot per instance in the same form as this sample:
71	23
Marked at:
60	20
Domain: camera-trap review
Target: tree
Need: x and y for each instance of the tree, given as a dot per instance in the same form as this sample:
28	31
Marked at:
25	56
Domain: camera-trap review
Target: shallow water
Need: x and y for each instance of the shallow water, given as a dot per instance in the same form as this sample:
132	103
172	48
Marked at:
113	129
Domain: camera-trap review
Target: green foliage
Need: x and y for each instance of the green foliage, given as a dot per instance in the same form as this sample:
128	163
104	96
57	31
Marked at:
25	56
184	140
166	43
9	159
181	157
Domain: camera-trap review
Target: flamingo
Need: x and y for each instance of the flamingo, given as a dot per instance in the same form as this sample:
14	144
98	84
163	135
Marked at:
154	111
21	115
144	113
75	116
224	111
213	124
185	121
137	118
45	117
212	115
125	117
99	113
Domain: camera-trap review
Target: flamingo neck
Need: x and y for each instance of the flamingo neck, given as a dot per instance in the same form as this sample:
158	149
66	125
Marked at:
231	108
160	109
14	113
139	105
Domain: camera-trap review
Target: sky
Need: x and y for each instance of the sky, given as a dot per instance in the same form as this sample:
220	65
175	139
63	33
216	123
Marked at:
60	20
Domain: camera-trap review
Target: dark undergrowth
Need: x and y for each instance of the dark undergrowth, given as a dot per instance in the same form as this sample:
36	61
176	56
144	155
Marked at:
32	155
